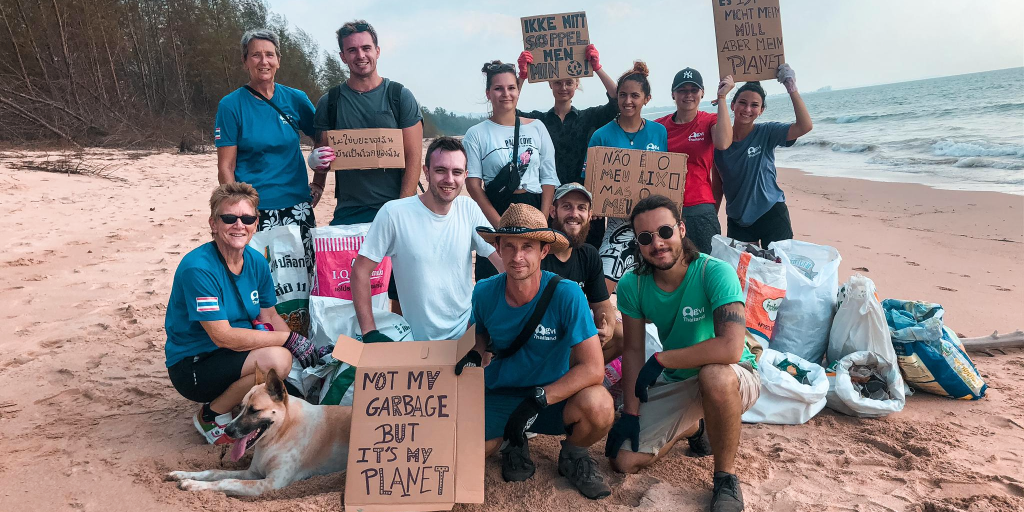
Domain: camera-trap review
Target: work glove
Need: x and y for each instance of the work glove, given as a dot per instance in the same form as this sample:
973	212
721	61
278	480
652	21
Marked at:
626	428
525	59
520	420
324	351
471	359
302	349
376	336
647	376
320	158
594	57
787	77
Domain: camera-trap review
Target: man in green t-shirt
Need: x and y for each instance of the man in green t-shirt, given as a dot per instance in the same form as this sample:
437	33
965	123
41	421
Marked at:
705	370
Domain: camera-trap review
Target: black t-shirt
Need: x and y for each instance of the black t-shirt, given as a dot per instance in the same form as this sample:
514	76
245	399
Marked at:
584	268
572	136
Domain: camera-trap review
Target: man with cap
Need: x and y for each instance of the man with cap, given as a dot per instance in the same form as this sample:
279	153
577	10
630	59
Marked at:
546	371
580	262
698	134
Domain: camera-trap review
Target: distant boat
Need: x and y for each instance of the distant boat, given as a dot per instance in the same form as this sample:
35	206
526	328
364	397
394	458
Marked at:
827	88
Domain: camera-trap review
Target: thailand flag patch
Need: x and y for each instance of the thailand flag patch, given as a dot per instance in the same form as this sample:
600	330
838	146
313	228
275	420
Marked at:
216	134
204	304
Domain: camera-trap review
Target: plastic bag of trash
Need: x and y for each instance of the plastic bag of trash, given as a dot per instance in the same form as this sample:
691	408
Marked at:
859	323
812	283
865	385
788	399
763	279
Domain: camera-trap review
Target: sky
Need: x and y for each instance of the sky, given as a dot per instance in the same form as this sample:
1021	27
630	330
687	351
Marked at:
436	49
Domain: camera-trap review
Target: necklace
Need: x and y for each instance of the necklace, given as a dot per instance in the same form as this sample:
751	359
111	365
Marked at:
637	132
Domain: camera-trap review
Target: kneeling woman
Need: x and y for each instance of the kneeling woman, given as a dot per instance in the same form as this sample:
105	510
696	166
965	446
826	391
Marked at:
221	320
754	203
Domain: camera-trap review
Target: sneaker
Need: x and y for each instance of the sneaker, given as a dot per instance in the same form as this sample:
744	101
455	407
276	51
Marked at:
700	445
516	464
575	464
213	431
727	496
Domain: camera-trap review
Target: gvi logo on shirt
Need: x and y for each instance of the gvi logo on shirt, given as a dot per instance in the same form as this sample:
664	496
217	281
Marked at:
255	296
753	151
693	314
653	147
545	333
696	137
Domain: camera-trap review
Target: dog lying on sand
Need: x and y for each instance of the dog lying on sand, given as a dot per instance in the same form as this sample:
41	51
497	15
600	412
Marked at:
293	440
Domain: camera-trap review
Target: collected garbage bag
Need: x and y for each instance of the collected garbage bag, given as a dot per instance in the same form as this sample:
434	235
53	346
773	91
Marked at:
763	281
871	376
282	246
930	354
336	248
812	283
784	399
859	323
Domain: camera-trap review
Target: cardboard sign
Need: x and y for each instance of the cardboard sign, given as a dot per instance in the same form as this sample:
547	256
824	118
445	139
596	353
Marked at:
618	178
370	148
417	441
558	44
749	34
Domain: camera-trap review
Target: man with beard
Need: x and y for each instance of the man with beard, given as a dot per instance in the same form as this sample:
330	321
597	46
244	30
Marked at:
580	263
430	239
705	370
546	371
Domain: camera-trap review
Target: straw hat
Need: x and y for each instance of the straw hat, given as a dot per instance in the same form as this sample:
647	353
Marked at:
524	221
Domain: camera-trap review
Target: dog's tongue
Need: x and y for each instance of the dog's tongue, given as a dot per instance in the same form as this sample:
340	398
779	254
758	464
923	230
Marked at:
238	449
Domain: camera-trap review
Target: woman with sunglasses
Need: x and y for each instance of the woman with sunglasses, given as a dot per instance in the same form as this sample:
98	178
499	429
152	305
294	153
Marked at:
754	203
257	137
489	148
220	319
628	131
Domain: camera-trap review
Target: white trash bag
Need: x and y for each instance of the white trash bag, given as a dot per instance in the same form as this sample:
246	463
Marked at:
812	283
784	400
845	397
859	323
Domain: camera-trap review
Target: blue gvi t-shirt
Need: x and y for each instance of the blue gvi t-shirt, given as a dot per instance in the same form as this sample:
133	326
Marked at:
269	157
651	137
748	172
545	356
204	290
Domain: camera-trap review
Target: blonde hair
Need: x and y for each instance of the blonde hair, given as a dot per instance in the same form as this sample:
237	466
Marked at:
232	193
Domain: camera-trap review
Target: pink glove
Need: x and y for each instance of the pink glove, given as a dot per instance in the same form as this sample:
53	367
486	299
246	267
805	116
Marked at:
320	158
525	59
593	57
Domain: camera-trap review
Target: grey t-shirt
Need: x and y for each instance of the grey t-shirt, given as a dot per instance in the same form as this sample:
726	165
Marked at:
748	172
361	193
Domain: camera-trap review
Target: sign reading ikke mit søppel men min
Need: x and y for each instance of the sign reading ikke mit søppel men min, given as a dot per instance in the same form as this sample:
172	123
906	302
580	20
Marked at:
558	44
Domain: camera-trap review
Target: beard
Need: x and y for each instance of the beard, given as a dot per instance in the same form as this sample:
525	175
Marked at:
574	240
677	253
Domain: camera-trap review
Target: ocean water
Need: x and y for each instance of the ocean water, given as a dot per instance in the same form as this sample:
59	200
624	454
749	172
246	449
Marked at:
962	132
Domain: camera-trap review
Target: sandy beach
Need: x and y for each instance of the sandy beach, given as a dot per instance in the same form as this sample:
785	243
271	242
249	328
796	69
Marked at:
89	420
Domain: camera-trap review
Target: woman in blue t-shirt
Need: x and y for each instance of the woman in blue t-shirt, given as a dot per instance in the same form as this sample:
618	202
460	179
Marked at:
257	138
220	320
754	203
628	131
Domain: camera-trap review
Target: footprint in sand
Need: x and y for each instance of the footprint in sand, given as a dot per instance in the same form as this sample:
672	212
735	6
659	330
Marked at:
945	289
1001	289
913	264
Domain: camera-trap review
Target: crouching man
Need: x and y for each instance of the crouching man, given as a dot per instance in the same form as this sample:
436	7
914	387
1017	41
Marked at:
546	371
705	372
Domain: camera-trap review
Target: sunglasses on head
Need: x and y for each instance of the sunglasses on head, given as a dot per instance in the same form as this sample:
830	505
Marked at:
359	27
494	68
664	232
229	219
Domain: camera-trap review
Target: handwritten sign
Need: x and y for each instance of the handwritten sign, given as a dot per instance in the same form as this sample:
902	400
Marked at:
371	148
408	409
618	178
749	34
558	44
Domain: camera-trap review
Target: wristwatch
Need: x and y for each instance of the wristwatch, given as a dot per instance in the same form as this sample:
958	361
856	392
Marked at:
540	397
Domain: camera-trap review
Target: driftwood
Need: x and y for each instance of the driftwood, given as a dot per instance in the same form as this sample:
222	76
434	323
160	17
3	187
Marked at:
994	341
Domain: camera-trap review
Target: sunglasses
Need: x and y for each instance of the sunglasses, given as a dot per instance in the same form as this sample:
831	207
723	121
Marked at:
359	27
229	219
495	68
664	232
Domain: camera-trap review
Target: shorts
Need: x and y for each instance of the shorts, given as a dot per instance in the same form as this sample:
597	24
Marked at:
392	290
773	226
301	214
702	225
483	268
618	249
206	376
675	407
499	404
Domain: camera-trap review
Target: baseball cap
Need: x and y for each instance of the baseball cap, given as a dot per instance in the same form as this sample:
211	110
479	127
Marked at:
688	76
569	187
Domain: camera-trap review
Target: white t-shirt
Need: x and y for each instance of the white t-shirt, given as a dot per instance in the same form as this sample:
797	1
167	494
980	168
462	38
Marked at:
431	259
489	148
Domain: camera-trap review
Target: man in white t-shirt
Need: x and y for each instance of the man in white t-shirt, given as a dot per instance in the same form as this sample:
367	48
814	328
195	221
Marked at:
430	239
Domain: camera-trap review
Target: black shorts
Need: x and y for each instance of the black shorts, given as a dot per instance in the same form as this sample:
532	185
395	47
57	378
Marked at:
392	290
702	225
773	226
206	376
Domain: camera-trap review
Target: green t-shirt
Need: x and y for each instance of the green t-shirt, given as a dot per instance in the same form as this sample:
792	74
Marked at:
684	316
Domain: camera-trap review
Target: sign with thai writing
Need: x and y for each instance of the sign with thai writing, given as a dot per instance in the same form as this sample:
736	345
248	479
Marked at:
749	34
618	178
558	44
370	148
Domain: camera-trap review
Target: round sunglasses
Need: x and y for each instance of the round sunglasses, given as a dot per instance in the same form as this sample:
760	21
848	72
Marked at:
229	219
664	232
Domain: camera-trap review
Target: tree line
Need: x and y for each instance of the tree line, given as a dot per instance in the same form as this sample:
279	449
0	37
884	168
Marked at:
133	73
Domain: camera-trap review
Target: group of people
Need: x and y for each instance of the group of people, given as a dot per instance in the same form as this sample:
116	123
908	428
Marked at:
545	267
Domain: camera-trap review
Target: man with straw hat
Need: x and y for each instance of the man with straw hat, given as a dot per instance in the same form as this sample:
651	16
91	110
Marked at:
546	368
